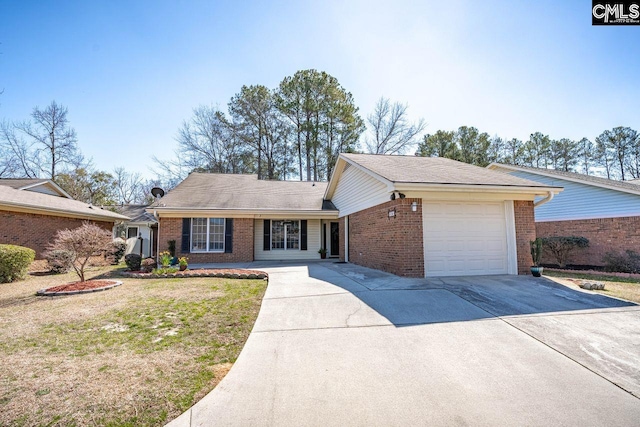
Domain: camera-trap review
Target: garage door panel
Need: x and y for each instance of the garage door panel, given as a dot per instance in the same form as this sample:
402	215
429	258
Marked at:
463	238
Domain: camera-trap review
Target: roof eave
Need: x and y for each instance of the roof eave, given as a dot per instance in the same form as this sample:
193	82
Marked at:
570	179
61	212
411	186
248	213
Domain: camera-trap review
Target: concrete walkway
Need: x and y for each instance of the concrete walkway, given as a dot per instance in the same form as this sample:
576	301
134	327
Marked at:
341	345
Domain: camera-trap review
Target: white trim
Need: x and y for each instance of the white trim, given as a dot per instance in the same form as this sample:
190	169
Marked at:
335	177
207	251
512	245
346	238
55	186
284	223
542	190
628	215
190	212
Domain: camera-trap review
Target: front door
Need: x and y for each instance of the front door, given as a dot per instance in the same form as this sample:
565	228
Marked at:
335	238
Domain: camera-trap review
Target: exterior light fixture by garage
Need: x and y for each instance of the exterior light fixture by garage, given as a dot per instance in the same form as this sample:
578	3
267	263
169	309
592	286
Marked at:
414	206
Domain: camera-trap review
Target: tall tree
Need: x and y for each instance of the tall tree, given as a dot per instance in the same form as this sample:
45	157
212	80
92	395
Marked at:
89	186
514	152
473	145
440	144
536	150
129	186
616	146
324	119
587	154
564	154
390	131
53	143
496	150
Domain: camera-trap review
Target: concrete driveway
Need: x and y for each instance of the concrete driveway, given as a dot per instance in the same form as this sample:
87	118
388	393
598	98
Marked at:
341	345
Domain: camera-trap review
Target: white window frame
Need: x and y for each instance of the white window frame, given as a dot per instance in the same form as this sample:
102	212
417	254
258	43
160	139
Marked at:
284	248
137	231
208	234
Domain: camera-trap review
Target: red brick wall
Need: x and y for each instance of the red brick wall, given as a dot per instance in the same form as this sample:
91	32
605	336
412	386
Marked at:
171	229
37	231
389	244
604	234
525	232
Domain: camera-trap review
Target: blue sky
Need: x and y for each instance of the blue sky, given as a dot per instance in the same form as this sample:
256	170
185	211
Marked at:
131	71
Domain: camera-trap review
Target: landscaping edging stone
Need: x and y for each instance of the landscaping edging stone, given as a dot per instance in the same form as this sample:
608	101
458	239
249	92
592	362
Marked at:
220	273
46	293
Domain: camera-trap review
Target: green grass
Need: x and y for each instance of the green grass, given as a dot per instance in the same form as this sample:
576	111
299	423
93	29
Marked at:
591	276
139	354
627	288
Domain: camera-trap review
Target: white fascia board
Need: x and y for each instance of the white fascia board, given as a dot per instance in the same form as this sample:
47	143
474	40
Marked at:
242	213
588	217
570	179
14	207
539	191
55	186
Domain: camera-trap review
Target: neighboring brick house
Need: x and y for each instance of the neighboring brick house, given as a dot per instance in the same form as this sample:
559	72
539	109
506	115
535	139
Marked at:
411	216
140	231
33	210
605	211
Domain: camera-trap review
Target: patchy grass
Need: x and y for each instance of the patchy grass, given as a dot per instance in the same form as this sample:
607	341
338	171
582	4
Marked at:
627	288
138	354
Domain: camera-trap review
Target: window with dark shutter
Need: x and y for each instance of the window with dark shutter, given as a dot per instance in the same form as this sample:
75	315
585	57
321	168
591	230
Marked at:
228	236
303	235
266	245
186	235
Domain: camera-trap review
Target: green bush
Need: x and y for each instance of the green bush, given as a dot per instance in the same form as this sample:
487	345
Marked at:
119	248
133	261
629	262
14	261
60	261
164	270
559	247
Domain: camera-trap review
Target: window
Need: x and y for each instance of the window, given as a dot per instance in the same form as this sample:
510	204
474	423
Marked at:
285	235
132	232
207	234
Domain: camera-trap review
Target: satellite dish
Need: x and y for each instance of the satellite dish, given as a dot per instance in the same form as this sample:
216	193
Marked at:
157	192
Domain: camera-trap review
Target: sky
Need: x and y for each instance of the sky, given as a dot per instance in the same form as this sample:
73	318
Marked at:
130	72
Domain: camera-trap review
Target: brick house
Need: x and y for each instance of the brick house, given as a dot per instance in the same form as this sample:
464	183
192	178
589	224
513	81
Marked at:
33	210
411	216
605	211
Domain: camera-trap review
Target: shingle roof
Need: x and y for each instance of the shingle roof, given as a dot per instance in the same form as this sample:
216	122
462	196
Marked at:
60	206
590	179
244	192
18	183
137	213
434	170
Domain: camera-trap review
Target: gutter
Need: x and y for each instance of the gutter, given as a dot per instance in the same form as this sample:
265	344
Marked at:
545	200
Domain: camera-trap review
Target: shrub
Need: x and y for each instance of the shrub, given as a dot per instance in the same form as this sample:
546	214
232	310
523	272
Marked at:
148	264
165	258
119	248
536	251
629	262
14	261
60	261
172	248
164	270
83	242
561	246
133	261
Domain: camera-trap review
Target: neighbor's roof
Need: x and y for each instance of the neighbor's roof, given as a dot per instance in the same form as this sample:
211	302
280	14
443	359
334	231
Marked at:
33	184
625	186
244	192
34	202
434	170
137	213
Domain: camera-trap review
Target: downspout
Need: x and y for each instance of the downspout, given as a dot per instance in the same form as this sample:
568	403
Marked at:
543	201
155	215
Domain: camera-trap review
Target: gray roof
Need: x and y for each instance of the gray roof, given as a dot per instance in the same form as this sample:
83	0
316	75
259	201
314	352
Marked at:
244	192
18	183
588	179
11	198
434	170
137	213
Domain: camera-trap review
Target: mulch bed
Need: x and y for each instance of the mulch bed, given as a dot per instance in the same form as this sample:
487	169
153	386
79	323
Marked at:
80	287
228	273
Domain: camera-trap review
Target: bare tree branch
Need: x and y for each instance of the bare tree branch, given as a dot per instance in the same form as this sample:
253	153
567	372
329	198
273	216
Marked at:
392	132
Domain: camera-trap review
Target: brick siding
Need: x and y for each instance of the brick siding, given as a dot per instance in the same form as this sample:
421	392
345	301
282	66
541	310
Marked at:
171	229
604	234
390	244
36	231
525	232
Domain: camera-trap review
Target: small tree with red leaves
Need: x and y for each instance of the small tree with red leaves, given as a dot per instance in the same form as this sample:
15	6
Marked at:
82	243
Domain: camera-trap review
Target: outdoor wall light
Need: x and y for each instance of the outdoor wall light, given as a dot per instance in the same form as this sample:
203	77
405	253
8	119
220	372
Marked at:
414	206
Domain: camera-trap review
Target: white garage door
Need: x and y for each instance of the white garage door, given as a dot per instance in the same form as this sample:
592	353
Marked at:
464	238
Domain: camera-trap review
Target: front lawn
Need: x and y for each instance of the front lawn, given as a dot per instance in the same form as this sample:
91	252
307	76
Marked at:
627	288
138	354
